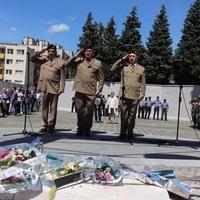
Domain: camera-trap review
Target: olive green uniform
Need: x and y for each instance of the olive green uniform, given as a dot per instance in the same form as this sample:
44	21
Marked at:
51	83
133	86
89	80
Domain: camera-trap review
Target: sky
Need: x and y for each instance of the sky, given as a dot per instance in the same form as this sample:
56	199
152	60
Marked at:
61	21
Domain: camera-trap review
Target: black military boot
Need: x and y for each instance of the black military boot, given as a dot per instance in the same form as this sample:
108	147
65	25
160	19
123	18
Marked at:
79	132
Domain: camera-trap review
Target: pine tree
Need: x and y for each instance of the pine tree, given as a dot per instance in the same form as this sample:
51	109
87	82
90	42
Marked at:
159	51
130	40
109	50
90	34
187	55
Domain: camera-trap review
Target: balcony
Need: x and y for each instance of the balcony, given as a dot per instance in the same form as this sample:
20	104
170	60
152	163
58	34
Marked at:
1	66
2	55
1	77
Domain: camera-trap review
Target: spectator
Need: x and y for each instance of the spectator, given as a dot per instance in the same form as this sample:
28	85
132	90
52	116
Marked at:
73	104
149	104
164	109
13	101
38	100
97	109
112	106
156	104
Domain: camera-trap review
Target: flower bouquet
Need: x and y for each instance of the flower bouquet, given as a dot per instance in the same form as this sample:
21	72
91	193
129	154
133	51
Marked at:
13	156
102	169
20	166
21	181
107	171
64	170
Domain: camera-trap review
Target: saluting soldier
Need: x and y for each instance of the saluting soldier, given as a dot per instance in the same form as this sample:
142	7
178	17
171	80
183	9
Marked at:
132	91
88	83
51	84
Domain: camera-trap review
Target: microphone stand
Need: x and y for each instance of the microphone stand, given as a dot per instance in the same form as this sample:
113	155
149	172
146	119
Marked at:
122	75
178	119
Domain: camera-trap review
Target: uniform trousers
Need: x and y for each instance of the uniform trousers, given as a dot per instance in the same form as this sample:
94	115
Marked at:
84	110
49	104
128	115
164	113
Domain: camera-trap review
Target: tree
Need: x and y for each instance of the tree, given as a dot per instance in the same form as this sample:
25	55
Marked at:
187	59
130	40
109	49
90	34
159	51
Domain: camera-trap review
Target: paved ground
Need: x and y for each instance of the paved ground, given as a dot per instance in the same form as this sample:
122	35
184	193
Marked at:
153	148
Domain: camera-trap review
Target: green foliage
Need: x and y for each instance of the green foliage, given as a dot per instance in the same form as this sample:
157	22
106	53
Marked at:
159	51
187	55
130	40
108	49
90	34
158	57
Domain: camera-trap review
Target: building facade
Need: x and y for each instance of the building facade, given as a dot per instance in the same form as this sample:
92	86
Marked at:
14	65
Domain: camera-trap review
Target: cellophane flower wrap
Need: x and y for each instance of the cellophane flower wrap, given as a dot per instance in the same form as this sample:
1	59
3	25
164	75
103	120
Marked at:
20	166
102	170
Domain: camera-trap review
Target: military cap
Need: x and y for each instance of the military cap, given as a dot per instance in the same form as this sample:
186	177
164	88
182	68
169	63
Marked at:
51	46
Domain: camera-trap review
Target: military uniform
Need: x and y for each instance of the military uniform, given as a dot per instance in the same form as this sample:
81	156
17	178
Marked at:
51	83
88	81
134	82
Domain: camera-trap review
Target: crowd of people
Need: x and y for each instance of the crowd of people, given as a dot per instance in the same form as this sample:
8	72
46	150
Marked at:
110	106
16	100
145	107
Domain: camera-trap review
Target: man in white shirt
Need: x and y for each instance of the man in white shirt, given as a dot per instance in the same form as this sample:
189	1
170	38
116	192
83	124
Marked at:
149	103
112	106
156	104
164	109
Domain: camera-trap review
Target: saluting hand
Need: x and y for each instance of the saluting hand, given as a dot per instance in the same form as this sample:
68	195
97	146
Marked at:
79	53
41	52
125	57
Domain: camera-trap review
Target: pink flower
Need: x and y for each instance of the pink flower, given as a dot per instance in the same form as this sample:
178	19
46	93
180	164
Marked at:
3	153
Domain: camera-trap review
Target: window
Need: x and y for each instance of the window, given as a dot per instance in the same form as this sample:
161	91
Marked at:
10	51
19	62
17	81
8	71
8	80
20	51
9	61
2	50
19	72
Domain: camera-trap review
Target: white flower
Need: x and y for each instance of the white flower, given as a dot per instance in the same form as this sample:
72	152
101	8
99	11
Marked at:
13	157
71	165
26	154
19	151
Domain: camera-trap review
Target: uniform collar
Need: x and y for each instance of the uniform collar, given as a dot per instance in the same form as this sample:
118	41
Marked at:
88	63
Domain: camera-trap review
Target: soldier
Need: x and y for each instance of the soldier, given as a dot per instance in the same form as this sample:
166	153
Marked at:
133	86
51	83
88	84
